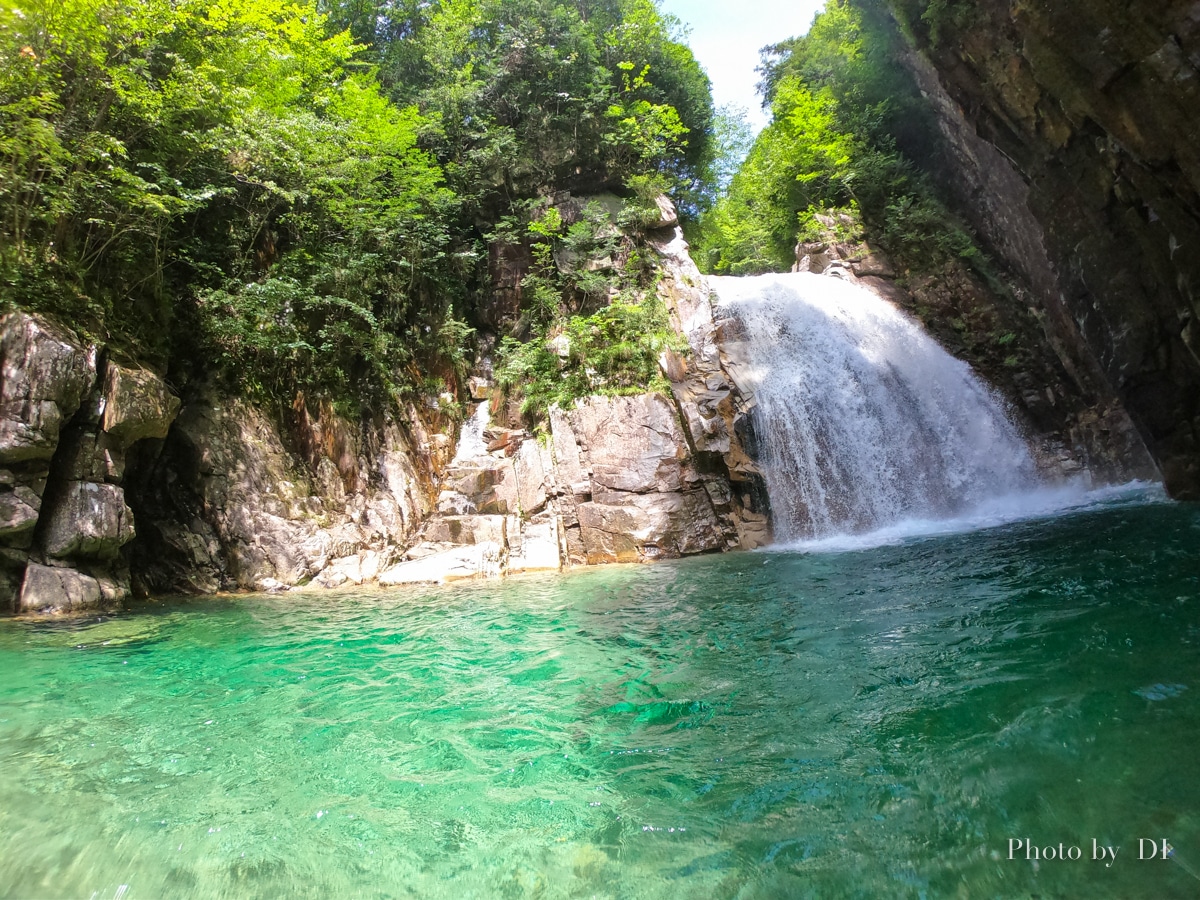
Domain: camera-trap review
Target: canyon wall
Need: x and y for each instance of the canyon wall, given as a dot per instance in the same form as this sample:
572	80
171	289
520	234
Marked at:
1074	127
109	487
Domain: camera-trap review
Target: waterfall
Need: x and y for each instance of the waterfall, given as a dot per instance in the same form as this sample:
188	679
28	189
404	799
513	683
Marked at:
471	444
861	419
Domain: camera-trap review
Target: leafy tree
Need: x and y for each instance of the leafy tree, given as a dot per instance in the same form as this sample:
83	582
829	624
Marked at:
849	129
298	196
166	182
535	96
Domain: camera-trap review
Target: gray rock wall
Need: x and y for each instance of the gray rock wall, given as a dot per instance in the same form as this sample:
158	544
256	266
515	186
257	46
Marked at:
68	419
229	506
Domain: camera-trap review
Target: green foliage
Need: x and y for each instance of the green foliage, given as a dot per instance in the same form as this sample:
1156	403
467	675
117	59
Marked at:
929	21
942	14
732	140
298	195
849	128
170	184
614	351
830	224
535	96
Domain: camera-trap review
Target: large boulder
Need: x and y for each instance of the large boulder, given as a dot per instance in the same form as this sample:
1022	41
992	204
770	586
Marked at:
633	444
45	374
48	589
540	548
86	519
531	464
229	500
137	405
622	527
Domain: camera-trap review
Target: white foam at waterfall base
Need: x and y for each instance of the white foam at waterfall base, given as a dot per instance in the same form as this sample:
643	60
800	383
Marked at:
863	421
1040	503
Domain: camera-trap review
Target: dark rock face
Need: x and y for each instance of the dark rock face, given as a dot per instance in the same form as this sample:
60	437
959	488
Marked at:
1076	128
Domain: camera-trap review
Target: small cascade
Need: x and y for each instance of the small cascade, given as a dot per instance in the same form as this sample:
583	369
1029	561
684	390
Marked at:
471	443
862	419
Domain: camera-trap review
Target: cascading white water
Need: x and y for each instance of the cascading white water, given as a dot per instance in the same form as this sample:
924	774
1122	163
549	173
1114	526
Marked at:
470	440
862	420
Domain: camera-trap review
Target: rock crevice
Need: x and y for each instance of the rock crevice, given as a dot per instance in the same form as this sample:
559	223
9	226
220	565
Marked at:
69	419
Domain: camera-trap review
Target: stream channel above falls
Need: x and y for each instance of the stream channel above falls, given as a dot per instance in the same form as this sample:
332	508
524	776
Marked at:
851	721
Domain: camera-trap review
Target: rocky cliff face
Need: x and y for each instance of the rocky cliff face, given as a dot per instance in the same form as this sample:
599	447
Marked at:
617	479
235	501
69	420
108	487
1075	128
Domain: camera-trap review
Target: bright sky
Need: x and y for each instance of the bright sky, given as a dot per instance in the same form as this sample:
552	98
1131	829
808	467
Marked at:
727	35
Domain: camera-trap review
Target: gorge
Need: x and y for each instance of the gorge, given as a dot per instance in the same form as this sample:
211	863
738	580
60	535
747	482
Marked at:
803	405
435	461
286	484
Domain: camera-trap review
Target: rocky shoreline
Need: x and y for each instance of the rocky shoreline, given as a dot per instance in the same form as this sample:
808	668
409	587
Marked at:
110	487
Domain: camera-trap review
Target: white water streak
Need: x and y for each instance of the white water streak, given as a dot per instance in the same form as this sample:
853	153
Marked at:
471	444
1042	503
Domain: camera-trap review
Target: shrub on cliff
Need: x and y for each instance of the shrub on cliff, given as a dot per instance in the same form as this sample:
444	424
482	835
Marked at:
611	352
848	127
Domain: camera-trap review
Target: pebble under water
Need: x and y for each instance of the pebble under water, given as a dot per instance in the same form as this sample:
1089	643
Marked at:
876	722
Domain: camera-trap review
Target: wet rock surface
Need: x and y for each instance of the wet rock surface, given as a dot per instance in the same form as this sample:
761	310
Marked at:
715	412
616	479
1074	132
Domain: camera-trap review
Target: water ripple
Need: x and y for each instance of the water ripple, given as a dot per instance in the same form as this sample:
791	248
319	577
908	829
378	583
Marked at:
867	723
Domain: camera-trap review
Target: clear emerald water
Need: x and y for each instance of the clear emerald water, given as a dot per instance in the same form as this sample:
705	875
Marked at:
877	722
